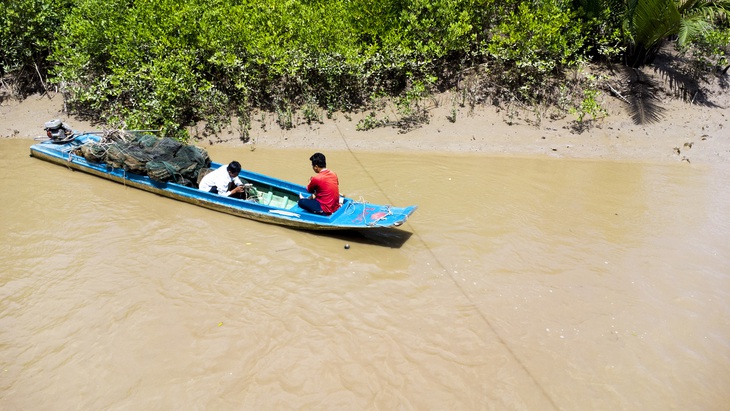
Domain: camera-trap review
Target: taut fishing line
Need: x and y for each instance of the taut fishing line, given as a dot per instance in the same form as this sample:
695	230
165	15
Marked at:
458	285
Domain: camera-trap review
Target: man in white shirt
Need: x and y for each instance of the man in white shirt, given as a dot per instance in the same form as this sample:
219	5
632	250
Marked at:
224	180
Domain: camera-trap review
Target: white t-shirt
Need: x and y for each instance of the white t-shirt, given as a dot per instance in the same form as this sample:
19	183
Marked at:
219	178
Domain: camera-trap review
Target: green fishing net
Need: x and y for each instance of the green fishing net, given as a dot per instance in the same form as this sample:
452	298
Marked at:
162	159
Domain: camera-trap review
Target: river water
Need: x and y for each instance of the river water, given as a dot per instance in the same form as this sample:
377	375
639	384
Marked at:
518	284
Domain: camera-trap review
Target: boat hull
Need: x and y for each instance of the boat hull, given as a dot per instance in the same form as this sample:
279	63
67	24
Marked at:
352	214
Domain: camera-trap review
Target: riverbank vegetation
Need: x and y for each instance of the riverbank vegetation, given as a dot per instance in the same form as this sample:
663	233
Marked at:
168	64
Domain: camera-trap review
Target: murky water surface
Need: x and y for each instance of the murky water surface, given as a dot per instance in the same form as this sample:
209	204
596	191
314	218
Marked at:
525	284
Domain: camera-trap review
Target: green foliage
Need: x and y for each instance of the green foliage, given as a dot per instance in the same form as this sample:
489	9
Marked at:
285	116
428	28
311	113
534	42
168	64
370	122
412	99
131	66
27	31
603	28
452	116
709	53
708	48
588	106
645	24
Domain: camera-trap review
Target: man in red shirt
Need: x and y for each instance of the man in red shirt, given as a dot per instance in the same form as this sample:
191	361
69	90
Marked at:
324	186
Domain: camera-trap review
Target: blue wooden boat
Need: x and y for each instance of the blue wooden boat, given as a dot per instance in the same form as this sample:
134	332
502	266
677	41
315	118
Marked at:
276	200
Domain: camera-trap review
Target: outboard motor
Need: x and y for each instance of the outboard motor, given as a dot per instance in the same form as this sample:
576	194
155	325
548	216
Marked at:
58	131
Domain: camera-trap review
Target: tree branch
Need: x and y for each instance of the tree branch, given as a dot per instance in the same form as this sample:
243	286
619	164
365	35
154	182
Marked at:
617	94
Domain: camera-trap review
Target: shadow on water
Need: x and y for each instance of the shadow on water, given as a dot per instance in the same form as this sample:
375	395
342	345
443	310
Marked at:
385	237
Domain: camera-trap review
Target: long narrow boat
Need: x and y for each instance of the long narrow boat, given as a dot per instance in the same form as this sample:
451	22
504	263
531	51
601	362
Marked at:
276	200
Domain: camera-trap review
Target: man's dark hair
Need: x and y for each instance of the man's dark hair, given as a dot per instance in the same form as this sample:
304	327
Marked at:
319	160
234	167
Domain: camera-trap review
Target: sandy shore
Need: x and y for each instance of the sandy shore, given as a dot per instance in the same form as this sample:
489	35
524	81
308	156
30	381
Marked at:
687	133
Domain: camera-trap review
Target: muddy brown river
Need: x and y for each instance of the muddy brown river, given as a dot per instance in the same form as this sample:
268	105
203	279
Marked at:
518	284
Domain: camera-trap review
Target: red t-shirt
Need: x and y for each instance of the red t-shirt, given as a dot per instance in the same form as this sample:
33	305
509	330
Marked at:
326	188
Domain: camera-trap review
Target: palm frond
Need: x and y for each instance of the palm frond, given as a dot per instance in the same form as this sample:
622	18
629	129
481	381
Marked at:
690	27
644	105
709	9
654	20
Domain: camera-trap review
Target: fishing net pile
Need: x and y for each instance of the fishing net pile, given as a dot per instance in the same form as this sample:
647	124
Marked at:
162	159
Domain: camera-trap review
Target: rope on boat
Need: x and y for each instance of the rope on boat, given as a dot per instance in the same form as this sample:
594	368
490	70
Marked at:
361	200
389	213
69	160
